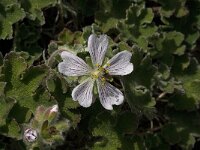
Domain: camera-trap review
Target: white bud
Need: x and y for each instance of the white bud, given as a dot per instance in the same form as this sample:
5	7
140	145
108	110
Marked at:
30	135
54	109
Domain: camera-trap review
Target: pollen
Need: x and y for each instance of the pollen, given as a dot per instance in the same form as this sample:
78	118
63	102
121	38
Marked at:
97	65
98	72
95	74
108	64
105	70
103	79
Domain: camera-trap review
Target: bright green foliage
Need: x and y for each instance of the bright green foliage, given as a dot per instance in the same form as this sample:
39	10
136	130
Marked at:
10	13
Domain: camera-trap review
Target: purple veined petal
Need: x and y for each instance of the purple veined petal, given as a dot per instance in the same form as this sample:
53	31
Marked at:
120	64
97	47
83	93
109	95
72	65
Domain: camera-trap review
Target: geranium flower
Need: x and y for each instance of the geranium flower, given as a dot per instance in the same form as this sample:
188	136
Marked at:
120	64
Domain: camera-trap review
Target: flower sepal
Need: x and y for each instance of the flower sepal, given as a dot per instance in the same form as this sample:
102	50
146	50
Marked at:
45	128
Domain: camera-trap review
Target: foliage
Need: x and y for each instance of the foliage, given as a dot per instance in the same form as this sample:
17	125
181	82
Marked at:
161	108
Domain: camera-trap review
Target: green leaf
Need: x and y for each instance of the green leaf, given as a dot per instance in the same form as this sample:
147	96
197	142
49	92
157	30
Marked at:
2	87
171	7
133	143
171	133
34	9
138	84
26	39
10	13
66	104
23	85
138	15
184	126
11	129
68	37
127	122
156	141
109	13
1	59
168	43
190	20
190	78
138	26
5	107
103	126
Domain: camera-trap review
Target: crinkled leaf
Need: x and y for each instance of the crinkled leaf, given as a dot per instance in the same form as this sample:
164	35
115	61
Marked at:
68	37
137	85
171	7
168	43
66	104
11	129
190	78
22	84
5	107
34	8
10	13
138	26
109	13
103	126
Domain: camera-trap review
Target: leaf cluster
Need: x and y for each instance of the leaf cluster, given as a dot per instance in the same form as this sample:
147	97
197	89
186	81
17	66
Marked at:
161	108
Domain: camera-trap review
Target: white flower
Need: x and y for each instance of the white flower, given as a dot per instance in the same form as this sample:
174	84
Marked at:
30	135
117	65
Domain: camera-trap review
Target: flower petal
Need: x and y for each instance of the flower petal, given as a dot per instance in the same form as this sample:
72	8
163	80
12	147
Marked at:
109	95
72	65
83	93
97	48
120	64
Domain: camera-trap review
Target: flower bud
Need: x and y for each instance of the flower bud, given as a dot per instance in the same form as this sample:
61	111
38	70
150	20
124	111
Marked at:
53	113
30	135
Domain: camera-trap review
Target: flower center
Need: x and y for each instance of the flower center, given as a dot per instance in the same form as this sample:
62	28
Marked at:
98	72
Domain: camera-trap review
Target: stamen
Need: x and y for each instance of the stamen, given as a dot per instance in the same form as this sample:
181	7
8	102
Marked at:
97	65
105	70
108	64
103	80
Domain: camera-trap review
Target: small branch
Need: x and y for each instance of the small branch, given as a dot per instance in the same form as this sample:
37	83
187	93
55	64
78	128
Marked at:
49	61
